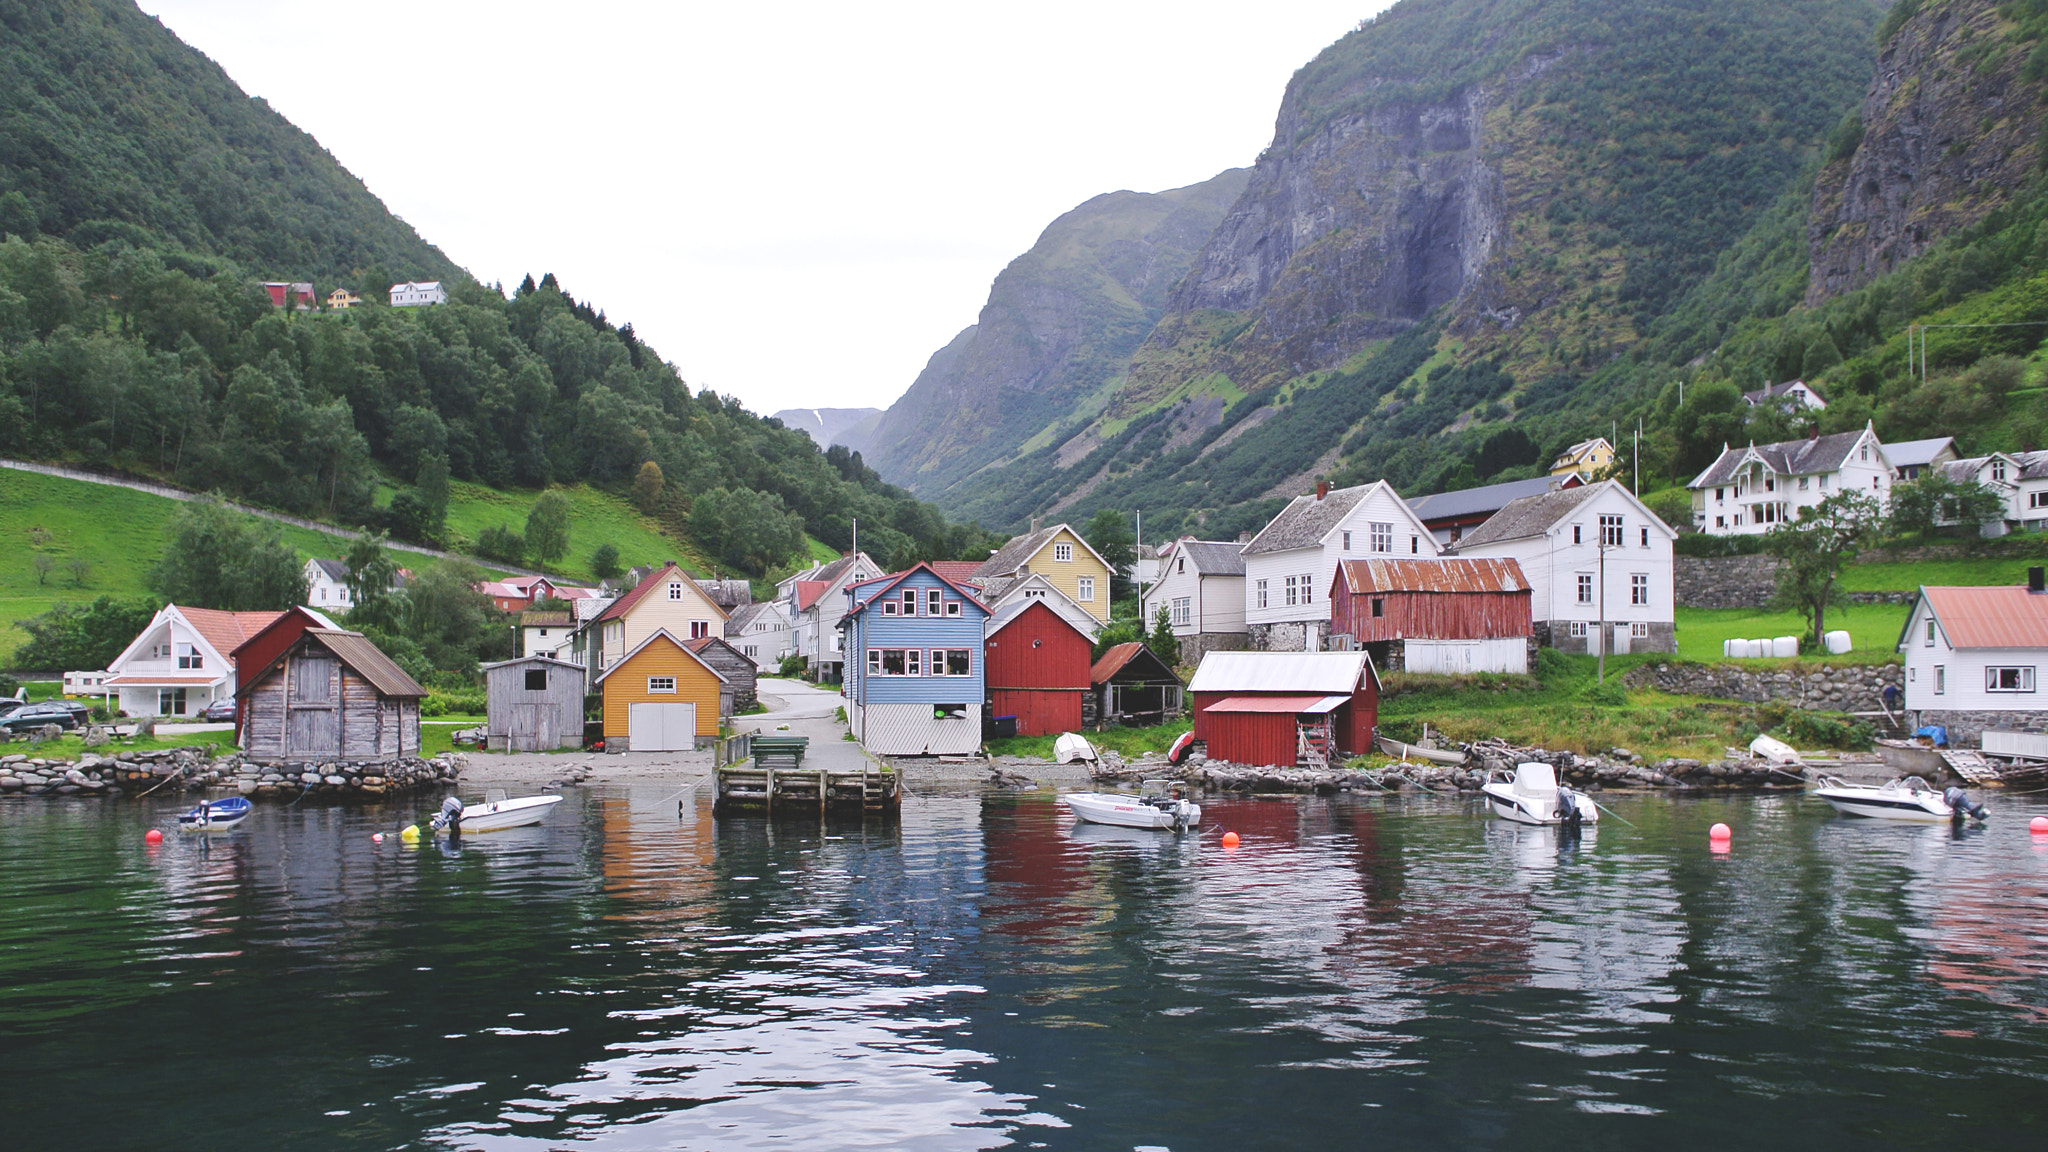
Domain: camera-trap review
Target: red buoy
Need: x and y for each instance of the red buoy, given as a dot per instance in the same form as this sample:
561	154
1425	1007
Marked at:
2038	825
153	836
1230	839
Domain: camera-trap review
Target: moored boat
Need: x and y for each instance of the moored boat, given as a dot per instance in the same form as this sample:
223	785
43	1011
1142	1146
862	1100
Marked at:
215	815
1396	748
1141	811
1533	796
499	815
1907	798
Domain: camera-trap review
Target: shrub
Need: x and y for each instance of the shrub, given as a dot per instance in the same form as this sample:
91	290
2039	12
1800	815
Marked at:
792	666
1818	730
440	703
501	544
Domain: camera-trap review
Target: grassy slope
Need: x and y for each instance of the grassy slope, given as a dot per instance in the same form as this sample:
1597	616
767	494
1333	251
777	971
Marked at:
598	518
1873	628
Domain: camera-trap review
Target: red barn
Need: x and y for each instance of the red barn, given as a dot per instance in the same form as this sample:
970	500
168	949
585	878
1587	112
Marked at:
1286	709
1434	615
1037	668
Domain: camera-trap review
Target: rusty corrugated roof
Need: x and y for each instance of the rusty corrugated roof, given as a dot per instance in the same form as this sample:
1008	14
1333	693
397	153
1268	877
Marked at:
1474	575
369	661
1999	616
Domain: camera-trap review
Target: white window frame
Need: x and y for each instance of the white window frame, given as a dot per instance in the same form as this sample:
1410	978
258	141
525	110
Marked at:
1578	630
1382	536
1585	587
933	599
1639	588
1181	610
1260	590
661	685
1084	589
2023	678
1940	679
1639	631
1611	530
952	608
1347	540
1930	633
1063	553
675	590
1292	590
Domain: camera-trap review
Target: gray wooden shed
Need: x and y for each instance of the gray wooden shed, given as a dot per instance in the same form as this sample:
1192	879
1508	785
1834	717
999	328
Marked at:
328	695
731	663
534	704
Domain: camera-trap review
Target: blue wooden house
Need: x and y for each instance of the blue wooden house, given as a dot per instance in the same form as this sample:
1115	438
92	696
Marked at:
914	677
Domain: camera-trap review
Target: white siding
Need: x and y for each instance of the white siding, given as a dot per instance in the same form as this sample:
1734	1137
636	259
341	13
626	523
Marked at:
1215	603
1504	654
1963	676
1553	564
1408	540
1866	470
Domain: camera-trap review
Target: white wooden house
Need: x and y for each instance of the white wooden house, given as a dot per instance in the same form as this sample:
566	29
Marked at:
1751	490
1288	566
815	602
1797	392
1567	542
2018	479
1200	583
762	633
416	294
1974	658
183	660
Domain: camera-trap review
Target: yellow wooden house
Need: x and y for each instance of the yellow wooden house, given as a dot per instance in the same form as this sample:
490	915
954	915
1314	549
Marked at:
668	599
1060	555
1587	458
661	697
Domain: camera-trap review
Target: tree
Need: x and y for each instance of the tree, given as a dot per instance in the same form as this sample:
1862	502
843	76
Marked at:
218	558
80	569
410	517
753	531
1109	533
1163	643
1814	549
431	483
43	563
454	624
1507	448
372	574
1934	505
647	488
72	637
605	561
547	528
501	543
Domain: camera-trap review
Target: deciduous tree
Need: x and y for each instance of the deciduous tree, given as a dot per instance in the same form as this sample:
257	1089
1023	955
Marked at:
1815	548
547	528
219	558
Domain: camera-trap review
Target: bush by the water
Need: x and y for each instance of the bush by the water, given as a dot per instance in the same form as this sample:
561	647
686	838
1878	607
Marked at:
440	703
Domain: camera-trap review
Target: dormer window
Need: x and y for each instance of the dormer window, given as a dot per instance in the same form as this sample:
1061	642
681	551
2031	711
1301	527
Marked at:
910	601
1998	471
1063	553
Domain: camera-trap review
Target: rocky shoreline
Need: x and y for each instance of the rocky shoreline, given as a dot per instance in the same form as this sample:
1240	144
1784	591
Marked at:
193	769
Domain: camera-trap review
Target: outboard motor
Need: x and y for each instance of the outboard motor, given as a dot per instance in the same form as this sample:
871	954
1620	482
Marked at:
1959	802
1568	807
450	817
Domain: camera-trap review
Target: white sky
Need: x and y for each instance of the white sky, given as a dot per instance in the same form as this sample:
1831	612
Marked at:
795	203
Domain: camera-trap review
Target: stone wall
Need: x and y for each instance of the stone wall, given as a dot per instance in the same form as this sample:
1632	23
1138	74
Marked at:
1290	636
1193	648
1966	729
1844	689
1557	634
195	769
1724	581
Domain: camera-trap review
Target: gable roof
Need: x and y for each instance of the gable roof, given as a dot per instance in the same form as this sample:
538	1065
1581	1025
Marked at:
698	644
1002	610
1788	457
1773	391
226	630
1965	471
1485	574
1918	453
369	661
958	571
808	592
1484	499
1210	557
543	619
728	594
1134	657
1534	515
1013	555
536	658
1998	616
888	582
1313	673
1306	520
618	608
660	634
334	570
744	616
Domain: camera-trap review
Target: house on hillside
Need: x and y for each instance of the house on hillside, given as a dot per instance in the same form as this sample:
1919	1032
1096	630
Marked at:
1200	583
1586	458
1974	657
343	298
1061	556
1288	565
518	593
1283	709
297	295
762	633
1911	459
321	694
327	585
1590	554
1798	392
732	664
551	633
418	294
999	595
659	696
915	682
666	600
1443	615
2018	479
1751	490
534	704
1037	666
816	602
1449	515
1132	685
183	661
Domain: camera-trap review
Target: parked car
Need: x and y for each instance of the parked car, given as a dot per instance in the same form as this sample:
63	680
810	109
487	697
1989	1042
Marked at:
39	714
219	710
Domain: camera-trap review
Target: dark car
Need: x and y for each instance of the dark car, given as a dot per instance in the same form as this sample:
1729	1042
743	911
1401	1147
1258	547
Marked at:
219	710
39	714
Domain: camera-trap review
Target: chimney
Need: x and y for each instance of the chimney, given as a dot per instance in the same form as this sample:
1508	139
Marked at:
2035	583
1244	537
1034	523
1322	489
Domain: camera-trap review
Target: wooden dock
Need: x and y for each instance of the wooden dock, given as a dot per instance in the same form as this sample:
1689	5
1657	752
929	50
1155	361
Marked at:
766	774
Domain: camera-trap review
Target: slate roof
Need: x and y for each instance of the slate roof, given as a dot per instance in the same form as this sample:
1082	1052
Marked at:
1529	516
2030	465
1786	457
728	594
1483	574
1212	557
1306	520
336	570
1473	501
369	661
1774	391
743	618
1015	554
1917	453
2006	616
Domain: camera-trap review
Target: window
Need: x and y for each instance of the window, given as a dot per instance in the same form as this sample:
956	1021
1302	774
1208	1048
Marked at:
1382	537
170	701
933	598
891	661
1347	541
1930	632
323	595
189	656
1379	607
1873	482
658	684
1863	452
1610	531
1063	553
874	661
1639	631
910	601
952	662
889	607
1305	597
1585	588
1260	593
543	631
1293	591
675	591
1182	610
913	661
536	679
1639	588
1646	535
1578	534
1415	545
1720	521
1180	564
1802	483
699	629
1086	588
1998	470
1823	483
2009	679
952	607
2037	499
1578	629
1940	679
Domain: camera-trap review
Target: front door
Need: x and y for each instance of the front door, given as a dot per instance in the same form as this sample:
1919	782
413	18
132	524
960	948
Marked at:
314	724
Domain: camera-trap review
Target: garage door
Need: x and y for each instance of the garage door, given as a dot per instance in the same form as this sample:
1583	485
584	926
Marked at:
661	727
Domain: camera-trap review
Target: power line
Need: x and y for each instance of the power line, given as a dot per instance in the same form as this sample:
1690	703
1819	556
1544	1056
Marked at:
1923	329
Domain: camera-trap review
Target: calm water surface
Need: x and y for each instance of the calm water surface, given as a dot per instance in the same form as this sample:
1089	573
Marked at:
1383	974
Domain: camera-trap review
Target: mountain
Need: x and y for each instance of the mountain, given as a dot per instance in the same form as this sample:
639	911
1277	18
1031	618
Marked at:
1060	324
847	427
112	128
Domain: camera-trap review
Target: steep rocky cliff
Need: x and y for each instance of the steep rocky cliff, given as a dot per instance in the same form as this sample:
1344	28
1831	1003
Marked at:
1948	131
1059	325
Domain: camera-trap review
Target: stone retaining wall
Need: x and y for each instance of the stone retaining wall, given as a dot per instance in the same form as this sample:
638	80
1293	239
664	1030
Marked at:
194	769
1828	689
1966	729
1724	581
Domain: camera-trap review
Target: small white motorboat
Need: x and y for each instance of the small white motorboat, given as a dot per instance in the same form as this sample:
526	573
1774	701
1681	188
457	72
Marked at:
1534	796
1907	798
215	815
1070	747
502	814
1140	811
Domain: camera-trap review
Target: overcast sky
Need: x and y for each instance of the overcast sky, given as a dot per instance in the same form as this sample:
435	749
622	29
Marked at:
796	203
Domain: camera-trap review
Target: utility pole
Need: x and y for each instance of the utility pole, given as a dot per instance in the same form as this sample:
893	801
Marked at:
1602	626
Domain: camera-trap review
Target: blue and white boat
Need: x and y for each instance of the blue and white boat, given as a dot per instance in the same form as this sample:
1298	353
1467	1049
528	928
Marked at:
215	815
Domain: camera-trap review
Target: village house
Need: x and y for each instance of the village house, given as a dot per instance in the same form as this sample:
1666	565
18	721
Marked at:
1131	685
915	682
1586	458
1751	490
728	594
343	298
1797	392
1973	658
815	603
741	677
1445	615
999	595
312	694
183	660
661	697
327	585
1284	709
2018	479
1449	515
1201	586
298	295
1060	555
1037	666
1567	543
762	633
551	633
1910	459
417	294
533	704
666	600
1288	565
518	593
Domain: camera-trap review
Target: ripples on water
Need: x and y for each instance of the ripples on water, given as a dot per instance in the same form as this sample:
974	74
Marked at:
1360	973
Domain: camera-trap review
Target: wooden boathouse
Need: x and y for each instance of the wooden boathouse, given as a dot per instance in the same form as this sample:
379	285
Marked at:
1466	615
1285	709
323	693
1037	668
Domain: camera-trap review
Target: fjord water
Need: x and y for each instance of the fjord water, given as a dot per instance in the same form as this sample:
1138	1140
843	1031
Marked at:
1360	973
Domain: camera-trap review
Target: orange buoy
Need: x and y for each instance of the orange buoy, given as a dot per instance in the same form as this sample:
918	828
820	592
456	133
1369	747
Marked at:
1230	840
153	836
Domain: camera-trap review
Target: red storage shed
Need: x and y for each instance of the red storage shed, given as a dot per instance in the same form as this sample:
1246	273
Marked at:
1037	668
1285	709
1464	615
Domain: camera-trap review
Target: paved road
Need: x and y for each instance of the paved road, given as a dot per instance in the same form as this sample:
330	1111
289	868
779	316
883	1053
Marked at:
806	710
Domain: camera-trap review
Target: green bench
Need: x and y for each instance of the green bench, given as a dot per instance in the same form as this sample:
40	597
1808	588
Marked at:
780	751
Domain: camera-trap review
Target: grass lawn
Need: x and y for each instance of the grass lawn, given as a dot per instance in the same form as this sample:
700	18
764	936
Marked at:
71	746
1126	742
596	518
1905	577
1873	628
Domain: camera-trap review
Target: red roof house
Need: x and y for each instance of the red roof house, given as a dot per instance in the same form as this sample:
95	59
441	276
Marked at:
1284	709
1037	668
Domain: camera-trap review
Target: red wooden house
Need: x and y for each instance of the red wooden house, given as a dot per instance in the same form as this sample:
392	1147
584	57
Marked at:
1286	709
1037	668
1434	615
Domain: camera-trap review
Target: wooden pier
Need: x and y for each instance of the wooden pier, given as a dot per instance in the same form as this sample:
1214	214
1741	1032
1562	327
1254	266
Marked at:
766	774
